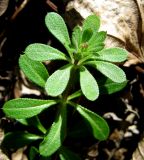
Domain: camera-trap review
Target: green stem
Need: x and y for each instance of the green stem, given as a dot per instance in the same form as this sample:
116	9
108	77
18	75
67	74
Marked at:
74	95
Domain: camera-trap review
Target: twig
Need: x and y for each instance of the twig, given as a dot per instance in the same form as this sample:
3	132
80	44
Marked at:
19	9
12	18
52	5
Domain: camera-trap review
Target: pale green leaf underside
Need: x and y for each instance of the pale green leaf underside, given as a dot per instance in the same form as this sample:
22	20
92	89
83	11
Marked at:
112	55
57	27
43	52
22	108
58	81
55	136
110	70
34	70
88	84
92	22
99	126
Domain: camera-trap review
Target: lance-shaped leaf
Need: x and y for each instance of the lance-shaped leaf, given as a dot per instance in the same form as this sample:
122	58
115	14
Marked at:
95	43
93	49
98	125
87	34
66	154
22	108
3	6
58	81
33	121
55	136
33	153
57	27
15	140
88	84
43	52
110	70
98	37
76	37
107	86
92	22
35	71
112	54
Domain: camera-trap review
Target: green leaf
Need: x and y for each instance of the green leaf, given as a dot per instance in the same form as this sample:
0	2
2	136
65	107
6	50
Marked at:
87	34
22	108
108	86
95	43
34	152
93	49
88	84
66	154
98	37
24	122
110	70
79	130
76	37
43	52
98	125
33	121
112	54
57	27
55	136
34	70
92	22
58	81
15	140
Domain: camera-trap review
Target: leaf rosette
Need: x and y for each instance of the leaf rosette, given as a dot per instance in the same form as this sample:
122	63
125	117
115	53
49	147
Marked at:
85	52
85	48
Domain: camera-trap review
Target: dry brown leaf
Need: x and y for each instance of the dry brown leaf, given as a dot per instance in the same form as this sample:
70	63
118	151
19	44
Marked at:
119	154
93	151
123	21
19	155
3	6
139	152
3	156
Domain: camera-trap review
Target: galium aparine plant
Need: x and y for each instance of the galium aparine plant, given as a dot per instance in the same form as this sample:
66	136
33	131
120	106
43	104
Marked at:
85	54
